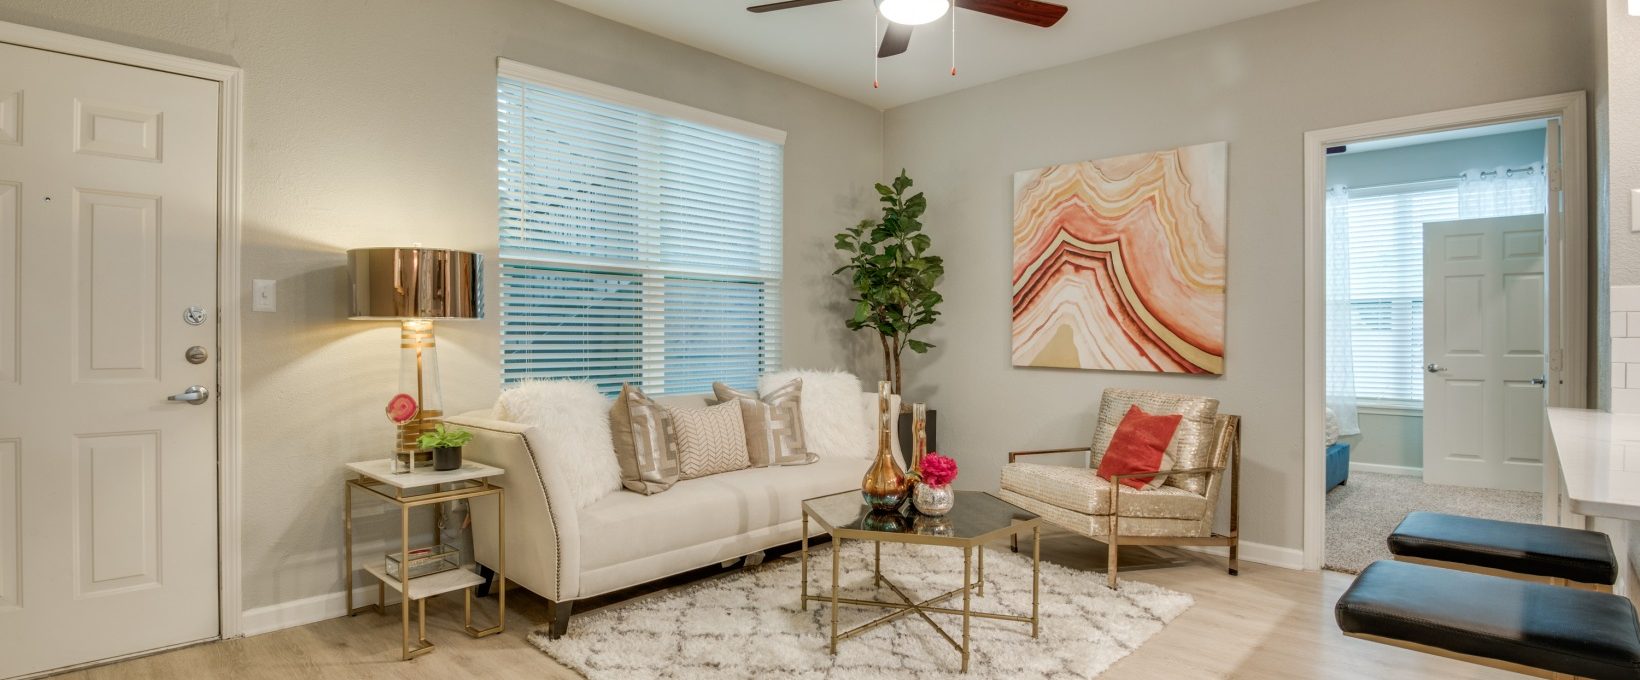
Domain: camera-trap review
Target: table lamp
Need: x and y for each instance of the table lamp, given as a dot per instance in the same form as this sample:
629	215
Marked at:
416	286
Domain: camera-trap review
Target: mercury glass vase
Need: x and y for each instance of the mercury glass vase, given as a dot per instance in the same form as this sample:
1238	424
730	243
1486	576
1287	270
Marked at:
933	500
885	485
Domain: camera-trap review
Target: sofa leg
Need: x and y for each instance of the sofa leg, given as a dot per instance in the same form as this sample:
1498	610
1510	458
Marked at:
488	575
1235	561
1013	542
559	613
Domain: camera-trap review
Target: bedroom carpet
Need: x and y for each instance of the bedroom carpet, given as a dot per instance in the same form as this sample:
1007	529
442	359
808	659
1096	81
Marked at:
1362	513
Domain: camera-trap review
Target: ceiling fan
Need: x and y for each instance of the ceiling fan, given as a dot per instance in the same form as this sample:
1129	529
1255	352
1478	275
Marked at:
903	15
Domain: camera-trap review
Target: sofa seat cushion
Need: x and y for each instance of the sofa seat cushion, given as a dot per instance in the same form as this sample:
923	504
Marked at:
1080	489
625	526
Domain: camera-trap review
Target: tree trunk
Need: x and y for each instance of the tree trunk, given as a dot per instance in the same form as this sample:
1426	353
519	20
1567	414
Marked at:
888	359
898	375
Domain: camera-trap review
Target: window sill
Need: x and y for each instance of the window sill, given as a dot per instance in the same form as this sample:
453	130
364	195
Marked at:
1390	410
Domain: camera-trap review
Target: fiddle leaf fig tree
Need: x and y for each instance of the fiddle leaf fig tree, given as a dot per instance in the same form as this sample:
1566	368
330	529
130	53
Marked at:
893	275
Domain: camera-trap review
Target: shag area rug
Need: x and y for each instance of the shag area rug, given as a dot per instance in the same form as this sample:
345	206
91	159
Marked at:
1362	513
748	625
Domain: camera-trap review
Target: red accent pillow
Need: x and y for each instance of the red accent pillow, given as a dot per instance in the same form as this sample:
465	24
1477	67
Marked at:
1138	445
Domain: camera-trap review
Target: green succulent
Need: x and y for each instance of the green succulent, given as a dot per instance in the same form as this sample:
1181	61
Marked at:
444	438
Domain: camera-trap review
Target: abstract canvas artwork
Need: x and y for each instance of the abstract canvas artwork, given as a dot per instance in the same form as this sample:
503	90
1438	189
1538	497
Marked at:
1119	264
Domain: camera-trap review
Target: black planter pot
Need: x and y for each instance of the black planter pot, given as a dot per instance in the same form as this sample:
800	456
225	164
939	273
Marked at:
446	458
905	433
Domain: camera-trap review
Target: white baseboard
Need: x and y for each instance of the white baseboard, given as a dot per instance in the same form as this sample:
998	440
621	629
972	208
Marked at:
1261	553
1401	470
306	610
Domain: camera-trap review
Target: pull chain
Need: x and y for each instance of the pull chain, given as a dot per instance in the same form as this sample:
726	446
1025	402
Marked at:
953	42
875	60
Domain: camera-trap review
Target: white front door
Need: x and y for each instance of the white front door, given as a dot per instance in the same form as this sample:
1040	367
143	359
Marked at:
1484	346
108	216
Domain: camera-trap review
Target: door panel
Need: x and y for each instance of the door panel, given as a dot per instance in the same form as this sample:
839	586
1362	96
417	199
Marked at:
108	233
1483	406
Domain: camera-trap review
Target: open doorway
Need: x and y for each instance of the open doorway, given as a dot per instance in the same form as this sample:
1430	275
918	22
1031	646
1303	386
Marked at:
1436	330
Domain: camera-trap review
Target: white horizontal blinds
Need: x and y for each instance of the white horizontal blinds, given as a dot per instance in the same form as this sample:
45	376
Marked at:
635	246
1387	286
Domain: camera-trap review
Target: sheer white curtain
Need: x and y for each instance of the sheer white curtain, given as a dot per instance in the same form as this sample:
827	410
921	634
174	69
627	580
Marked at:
1500	192
1340	346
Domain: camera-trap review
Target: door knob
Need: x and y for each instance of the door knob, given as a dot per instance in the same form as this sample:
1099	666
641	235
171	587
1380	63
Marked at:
1540	380
196	395
1435	368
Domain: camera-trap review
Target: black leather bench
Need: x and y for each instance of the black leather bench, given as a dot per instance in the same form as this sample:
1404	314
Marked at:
1538	552
1526	627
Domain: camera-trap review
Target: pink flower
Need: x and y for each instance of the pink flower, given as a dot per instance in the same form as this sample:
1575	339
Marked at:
937	470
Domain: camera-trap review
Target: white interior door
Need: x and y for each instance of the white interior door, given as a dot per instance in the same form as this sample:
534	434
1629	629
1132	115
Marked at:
1484	346
108	536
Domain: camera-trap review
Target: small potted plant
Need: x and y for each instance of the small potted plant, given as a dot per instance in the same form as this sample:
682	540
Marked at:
446	446
933	494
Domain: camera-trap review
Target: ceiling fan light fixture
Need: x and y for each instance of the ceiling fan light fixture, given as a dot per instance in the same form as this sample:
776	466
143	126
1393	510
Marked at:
913	12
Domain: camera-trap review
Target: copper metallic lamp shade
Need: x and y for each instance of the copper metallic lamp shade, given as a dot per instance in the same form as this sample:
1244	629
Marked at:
416	286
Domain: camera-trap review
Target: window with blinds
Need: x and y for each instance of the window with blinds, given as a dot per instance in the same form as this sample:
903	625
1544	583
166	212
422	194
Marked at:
640	239
1387	277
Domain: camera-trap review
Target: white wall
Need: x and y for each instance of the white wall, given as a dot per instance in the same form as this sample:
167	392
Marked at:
1258	84
373	123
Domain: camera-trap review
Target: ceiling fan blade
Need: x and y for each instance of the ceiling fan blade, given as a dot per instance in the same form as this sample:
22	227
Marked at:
788	4
1032	12
895	40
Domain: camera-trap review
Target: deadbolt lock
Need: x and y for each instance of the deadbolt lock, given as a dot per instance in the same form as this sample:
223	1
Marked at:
196	355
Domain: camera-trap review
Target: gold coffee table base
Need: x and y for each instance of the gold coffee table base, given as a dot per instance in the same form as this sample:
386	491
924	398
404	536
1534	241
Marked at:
906	606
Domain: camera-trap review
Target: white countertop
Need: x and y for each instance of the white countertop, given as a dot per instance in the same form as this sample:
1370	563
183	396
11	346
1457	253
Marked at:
1599	457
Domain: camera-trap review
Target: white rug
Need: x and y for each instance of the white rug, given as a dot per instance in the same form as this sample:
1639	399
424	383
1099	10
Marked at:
747	625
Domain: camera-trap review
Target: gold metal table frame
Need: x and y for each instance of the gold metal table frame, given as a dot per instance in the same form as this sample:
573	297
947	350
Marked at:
971	587
467	489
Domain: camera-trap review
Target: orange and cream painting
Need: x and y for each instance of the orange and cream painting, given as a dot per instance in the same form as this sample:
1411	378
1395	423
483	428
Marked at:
1119	264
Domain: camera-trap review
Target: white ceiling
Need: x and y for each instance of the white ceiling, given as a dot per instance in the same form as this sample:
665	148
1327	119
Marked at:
831	46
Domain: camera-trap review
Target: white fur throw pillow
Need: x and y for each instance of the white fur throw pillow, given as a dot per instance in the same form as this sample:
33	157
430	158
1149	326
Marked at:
832	425
573	418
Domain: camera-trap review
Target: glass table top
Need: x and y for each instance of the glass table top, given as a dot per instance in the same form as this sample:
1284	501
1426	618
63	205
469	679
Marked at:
976	516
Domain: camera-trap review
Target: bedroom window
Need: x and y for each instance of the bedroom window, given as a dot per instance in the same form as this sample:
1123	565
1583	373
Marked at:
640	239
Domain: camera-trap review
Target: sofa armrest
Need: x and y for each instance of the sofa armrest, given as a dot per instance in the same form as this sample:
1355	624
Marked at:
542	528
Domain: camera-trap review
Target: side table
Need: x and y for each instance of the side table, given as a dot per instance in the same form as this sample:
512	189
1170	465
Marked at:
472	480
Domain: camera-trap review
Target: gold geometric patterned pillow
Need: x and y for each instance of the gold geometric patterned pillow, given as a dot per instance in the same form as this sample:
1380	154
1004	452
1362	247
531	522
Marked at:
644	441
710	440
773	422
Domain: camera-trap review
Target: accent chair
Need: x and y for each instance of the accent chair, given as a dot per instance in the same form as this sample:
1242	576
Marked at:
1179	512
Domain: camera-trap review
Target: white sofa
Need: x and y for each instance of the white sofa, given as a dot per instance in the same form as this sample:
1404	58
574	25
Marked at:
625	539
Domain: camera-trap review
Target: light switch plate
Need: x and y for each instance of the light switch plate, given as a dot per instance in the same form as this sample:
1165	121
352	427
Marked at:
1634	210
264	295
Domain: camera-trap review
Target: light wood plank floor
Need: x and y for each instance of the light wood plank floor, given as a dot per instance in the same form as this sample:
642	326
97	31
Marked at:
1267	623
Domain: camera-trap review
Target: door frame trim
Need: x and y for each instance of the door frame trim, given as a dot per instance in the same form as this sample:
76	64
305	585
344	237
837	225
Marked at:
230	151
1568	325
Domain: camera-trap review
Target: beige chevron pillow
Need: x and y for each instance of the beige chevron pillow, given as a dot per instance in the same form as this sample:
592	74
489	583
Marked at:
773	422
710	440
643	435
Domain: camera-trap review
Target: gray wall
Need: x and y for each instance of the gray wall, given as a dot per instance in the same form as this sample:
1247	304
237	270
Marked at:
1258	84
373	123
1396	439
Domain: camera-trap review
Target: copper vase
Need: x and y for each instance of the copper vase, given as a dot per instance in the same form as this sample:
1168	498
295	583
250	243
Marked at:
885	486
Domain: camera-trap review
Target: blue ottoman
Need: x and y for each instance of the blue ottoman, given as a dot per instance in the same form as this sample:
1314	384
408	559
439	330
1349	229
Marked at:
1338	464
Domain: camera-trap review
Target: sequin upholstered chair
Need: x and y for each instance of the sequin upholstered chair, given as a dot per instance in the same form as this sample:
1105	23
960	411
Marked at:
1179	512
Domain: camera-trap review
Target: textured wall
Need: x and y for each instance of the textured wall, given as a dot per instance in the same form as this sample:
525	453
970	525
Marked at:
1258	84
372	123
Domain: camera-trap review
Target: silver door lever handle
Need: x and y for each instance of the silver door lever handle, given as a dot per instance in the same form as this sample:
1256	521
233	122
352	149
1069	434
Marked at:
1434	368
196	395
